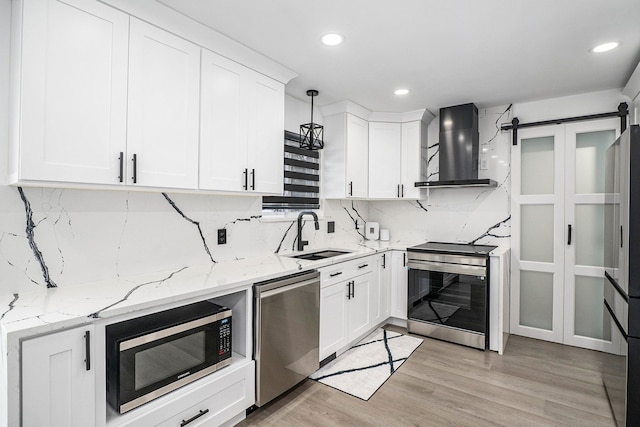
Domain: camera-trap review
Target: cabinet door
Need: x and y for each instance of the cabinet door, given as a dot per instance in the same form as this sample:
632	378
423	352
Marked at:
57	387
384	160
73	91
265	151
223	123
164	94
411	159
333	318
399	294
384	289
360	318
357	163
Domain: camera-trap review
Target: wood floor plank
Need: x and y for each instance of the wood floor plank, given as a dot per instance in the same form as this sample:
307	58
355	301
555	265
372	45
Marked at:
535	383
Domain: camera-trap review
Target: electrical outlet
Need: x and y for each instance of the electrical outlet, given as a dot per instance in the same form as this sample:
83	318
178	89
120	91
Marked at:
331	226
484	164
222	236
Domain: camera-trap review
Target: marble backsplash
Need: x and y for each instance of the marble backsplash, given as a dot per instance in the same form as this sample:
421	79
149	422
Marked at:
56	237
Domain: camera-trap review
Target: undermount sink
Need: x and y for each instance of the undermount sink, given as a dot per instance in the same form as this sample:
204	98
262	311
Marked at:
314	256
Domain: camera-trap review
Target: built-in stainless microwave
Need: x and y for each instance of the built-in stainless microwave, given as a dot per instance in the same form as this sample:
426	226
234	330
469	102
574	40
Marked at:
152	355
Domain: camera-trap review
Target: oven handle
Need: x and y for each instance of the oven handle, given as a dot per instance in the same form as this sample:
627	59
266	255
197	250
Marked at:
471	270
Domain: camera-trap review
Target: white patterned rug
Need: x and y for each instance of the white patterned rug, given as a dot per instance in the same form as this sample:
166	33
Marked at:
361	370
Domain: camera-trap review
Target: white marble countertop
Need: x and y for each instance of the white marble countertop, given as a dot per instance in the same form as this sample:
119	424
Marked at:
48	309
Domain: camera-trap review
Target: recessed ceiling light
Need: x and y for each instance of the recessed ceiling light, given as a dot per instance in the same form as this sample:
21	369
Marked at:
401	91
605	47
332	39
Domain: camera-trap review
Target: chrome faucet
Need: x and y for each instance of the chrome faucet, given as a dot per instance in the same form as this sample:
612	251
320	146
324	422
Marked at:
301	242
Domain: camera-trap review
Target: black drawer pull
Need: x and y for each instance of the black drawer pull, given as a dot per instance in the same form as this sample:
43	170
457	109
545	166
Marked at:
335	274
384	260
121	161
245	178
87	350
363	266
195	417
134	178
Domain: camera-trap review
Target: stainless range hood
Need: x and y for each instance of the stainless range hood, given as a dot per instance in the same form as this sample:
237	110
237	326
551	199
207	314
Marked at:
458	149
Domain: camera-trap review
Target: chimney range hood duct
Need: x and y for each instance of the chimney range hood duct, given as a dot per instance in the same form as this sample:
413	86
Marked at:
458	149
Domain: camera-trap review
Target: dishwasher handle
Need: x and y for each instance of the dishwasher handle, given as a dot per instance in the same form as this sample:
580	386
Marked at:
286	288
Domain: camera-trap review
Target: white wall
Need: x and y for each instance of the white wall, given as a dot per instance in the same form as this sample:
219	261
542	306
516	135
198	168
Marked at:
298	112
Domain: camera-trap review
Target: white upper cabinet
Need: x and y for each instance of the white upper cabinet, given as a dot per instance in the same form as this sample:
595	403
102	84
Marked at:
241	129
395	155
223	130
385	141
164	94
265	153
345	170
99	97
72	102
414	146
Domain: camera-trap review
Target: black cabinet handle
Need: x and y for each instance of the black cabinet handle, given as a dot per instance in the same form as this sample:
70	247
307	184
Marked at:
351	188
121	160
363	265
402	190
398	190
384	260
621	236
134	176
404	259
245	178
253	179
348	290
335	274
87	350
195	417
353	289
569	234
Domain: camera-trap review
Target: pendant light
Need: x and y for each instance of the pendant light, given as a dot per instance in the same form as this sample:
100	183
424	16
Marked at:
311	134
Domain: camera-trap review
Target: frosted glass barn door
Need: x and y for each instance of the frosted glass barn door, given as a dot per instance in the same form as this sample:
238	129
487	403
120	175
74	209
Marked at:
537	210
586	322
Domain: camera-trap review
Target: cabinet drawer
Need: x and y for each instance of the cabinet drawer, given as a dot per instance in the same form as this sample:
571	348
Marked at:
218	401
345	270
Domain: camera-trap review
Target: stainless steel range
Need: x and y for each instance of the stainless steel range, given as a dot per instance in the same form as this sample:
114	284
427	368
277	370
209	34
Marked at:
448	295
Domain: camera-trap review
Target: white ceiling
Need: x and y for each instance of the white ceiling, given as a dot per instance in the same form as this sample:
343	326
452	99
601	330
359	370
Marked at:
446	52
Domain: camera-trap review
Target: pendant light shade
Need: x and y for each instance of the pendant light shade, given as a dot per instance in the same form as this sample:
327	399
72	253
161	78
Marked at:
311	134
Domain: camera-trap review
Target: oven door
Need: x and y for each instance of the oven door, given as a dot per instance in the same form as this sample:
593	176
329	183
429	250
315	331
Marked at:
450	301
157	363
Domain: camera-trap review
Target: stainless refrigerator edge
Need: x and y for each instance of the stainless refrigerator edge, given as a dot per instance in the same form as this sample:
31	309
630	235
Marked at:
621	373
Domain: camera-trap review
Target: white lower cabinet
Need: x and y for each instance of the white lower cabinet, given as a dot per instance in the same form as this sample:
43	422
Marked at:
382	288
399	283
58	380
347	298
210	401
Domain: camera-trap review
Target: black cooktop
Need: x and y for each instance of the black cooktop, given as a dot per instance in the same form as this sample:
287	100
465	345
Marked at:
453	248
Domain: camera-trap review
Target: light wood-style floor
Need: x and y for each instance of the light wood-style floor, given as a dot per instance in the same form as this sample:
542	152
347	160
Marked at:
535	383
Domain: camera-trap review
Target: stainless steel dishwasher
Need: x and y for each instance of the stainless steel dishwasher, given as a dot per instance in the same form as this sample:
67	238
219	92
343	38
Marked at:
286	333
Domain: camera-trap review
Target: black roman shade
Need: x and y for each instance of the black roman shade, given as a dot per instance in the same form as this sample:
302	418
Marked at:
301	178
